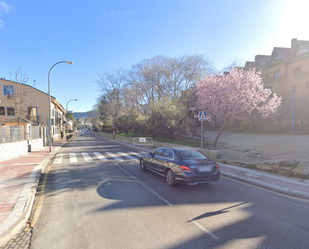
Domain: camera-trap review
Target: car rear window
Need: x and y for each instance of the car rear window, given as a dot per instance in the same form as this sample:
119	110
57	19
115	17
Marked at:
190	154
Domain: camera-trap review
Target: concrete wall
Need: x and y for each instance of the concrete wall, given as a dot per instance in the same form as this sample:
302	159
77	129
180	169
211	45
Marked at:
16	149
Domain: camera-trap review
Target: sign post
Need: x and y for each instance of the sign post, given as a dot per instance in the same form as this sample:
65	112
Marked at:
202	116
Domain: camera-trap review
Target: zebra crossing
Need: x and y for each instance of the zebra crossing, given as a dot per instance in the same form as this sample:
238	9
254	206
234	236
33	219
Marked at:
97	156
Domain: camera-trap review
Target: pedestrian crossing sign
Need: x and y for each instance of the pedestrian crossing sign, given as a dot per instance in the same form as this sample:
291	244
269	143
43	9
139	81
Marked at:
202	116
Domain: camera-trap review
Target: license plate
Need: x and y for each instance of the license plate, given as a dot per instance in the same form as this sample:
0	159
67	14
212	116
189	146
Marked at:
205	170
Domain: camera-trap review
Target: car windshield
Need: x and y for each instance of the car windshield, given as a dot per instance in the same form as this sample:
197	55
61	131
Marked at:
190	154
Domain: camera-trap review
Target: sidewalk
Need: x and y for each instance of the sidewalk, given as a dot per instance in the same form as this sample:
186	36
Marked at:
19	179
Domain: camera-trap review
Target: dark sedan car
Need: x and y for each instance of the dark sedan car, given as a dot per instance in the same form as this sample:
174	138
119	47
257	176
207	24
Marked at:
181	166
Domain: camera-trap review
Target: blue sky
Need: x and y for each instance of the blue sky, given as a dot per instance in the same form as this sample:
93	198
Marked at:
100	35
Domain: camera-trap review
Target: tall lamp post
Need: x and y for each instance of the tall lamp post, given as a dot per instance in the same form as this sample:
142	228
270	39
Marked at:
49	101
69	102
67	112
293	108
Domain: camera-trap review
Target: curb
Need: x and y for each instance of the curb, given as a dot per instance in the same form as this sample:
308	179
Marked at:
23	207
280	190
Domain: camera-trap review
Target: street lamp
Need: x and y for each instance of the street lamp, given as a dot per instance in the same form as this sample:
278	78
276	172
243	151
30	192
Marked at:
49	101
69	102
67	112
293	107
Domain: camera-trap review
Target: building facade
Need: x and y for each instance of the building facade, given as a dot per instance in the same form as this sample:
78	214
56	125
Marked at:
21	104
286	73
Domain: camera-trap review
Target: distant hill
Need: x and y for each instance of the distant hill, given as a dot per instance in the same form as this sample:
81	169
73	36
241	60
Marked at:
89	114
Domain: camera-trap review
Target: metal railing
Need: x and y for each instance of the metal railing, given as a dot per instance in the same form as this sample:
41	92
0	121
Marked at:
20	133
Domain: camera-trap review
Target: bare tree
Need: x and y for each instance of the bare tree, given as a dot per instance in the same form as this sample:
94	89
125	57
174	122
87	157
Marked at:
21	97
161	76
111	85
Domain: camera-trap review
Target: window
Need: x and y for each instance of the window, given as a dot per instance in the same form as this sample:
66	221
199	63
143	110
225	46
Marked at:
168	153
279	56
33	114
190	154
10	111
159	152
296	70
301	51
8	91
276	74
2	110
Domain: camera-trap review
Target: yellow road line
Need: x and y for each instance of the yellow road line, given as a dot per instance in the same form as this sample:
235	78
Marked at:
40	200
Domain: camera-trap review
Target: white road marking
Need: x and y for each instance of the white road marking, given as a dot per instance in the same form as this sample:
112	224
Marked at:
58	159
159	196
139	155
204	229
100	156
128	156
114	156
252	175
87	158
73	158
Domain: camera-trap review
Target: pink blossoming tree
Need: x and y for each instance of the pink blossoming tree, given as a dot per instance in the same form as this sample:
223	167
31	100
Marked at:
236	95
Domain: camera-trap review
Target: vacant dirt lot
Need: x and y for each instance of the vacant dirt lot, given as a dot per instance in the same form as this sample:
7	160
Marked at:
254	148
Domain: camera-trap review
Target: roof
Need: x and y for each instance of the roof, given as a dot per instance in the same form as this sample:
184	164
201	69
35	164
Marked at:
53	99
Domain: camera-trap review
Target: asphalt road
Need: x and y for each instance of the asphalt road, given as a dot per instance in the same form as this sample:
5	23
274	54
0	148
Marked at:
101	201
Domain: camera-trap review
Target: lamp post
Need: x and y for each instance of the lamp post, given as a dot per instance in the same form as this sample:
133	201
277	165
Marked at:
67	112
293	107
69	102
49	101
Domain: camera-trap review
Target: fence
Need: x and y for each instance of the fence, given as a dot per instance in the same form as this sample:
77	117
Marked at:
143	141
20	133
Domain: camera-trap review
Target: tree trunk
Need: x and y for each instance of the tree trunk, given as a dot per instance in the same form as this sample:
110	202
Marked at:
220	131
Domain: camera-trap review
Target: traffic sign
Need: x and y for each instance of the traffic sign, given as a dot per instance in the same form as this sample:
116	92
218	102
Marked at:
202	116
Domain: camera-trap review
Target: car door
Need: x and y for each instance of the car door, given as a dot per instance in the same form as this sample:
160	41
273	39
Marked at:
154	160
163	162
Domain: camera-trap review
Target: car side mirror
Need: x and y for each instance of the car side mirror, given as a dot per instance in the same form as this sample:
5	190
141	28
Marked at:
150	154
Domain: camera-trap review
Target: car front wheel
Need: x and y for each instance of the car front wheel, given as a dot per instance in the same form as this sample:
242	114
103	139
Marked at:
142	165
170	178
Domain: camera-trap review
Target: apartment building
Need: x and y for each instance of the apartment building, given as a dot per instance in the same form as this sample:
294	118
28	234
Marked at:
21	105
286	72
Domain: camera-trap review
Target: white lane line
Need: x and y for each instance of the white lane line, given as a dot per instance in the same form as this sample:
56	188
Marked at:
100	156
87	158
114	156
128	156
73	158
58	159
149	189
204	229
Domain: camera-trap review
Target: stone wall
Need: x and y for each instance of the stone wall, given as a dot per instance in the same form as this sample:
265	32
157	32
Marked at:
16	149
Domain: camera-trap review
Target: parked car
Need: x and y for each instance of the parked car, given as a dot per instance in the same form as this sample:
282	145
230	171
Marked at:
180	165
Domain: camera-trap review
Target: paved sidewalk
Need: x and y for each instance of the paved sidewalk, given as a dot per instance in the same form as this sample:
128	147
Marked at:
19	179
